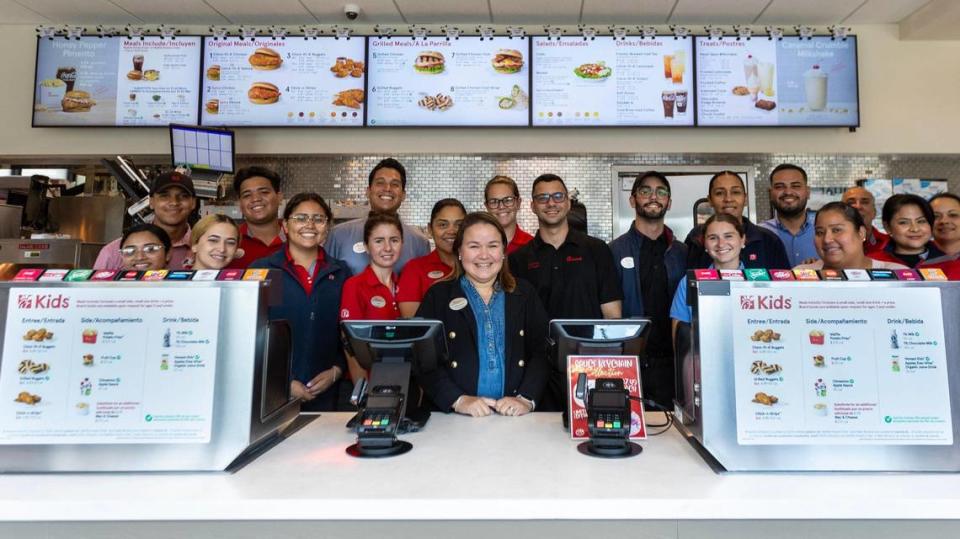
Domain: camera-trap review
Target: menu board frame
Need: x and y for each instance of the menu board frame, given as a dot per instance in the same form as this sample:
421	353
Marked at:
852	127
36	73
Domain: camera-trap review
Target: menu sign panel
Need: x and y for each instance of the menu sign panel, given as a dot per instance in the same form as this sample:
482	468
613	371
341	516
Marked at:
108	366
116	81
290	82
435	82
822	366
777	82
607	82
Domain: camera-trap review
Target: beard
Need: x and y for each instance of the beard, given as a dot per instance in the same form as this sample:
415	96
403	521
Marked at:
789	211
655	212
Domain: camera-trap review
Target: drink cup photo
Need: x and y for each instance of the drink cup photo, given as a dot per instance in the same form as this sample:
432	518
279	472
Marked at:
815	87
677	67
68	75
681	101
668	98
667	62
749	68
753	85
138	62
767	71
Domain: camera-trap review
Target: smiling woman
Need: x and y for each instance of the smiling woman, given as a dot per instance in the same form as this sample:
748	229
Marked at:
145	247
215	241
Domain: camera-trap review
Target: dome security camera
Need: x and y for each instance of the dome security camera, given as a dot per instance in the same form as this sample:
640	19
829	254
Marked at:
352	11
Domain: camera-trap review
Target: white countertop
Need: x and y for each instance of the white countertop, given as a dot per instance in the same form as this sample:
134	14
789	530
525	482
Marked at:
475	469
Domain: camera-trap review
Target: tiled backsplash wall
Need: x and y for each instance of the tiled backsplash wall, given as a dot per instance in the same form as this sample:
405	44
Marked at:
432	177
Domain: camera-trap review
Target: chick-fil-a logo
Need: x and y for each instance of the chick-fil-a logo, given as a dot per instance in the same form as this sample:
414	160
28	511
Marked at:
758	303
43	301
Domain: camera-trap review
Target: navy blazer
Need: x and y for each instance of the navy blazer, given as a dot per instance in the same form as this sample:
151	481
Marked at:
628	245
525	347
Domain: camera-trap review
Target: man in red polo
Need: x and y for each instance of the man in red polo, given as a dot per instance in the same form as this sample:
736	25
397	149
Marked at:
258	191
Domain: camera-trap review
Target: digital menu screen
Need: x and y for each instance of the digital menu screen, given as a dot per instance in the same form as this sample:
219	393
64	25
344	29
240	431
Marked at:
461	82
291	82
116	81
777	82
608	82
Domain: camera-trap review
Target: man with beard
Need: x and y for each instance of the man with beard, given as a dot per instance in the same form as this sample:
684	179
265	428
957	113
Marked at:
793	224
862	200
259	196
386	189
650	263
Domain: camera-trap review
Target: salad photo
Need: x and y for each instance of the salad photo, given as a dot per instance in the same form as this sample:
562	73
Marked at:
595	71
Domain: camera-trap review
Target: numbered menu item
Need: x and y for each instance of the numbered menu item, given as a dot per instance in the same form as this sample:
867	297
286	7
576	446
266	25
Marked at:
98	365
115	81
292	82
777	82
605	82
435	82
826	366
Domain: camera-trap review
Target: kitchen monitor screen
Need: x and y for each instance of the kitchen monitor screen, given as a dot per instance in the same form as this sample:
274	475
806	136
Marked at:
202	149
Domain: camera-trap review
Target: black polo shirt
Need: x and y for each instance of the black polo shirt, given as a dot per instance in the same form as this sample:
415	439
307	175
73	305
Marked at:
656	295
572	281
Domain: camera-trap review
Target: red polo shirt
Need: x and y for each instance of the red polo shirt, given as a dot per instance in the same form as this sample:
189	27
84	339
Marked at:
305	277
520	238
876	241
366	298
254	249
419	274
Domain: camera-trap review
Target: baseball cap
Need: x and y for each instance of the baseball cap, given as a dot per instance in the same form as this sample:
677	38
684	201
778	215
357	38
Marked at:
168	179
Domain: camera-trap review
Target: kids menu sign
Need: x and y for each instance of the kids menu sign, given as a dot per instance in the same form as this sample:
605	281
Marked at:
95	365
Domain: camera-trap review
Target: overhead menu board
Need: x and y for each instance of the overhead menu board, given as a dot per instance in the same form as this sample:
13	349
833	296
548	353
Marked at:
108	366
791	81
837	366
460	82
290	82
608	82
116	81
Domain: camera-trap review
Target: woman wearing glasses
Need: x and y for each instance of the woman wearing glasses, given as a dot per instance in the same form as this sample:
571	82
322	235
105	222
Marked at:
312	283
420	273
144	247
215	240
502	199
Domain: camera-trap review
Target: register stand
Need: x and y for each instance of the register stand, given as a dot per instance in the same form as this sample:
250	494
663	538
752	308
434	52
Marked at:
790	375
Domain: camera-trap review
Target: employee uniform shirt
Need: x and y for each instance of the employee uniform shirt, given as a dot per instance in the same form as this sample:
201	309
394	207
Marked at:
875	242
180	254
652	273
366	298
763	250
520	238
306	276
679	310
572	281
346	243
418	275
254	249
799	247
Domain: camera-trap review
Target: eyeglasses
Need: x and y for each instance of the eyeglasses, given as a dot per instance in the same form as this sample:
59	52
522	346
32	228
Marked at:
506	202
148	249
544	198
647	192
302	219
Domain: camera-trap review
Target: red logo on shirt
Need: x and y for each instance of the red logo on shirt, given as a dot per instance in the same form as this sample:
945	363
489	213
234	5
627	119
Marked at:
753	256
574	259
533	265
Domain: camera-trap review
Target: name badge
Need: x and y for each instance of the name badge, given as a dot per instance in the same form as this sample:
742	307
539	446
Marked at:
359	248
457	304
435	274
378	302
627	262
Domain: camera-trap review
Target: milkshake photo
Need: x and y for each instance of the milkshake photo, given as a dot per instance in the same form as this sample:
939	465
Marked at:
815	88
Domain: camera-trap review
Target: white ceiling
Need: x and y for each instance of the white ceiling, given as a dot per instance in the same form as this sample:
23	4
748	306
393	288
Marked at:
567	12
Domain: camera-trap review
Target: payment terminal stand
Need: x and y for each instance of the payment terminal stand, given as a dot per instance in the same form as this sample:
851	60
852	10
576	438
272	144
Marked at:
387	349
608	419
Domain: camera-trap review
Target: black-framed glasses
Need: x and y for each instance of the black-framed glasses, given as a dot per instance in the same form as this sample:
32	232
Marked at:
148	249
544	198
647	191
302	219
505	202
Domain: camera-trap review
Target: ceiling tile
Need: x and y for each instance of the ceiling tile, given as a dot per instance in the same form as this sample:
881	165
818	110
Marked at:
14	13
808	11
717	11
885	11
626	11
85	12
290	12
536	11
172	11
371	11
445	11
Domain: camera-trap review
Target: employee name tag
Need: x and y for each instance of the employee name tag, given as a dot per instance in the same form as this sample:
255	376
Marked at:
457	304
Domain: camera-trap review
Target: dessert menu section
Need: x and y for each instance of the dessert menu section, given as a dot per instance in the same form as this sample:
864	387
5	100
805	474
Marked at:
827	366
461	82
291	82
108	366
117	81
606	82
777	82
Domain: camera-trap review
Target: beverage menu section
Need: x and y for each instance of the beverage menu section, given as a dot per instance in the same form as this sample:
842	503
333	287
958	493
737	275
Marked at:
777	82
116	81
827	366
607	82
292	82
462	82
108	366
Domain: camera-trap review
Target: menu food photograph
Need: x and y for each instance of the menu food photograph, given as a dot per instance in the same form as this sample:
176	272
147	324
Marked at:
290	82
756	82
461	82
116	81
610	82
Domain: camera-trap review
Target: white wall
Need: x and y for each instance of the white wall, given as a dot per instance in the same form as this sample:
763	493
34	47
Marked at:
908	90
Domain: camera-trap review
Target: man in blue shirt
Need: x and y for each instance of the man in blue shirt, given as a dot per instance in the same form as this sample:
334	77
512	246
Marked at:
793	224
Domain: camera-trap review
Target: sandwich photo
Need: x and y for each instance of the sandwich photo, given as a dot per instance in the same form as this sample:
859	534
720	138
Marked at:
77	101
135	74
263	93
265	59
213	72
508	61
213	106
429	62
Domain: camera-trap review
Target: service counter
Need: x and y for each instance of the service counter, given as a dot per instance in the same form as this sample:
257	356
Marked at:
473	477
